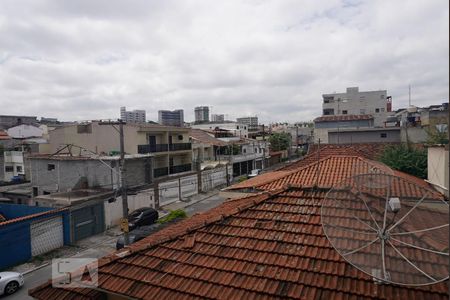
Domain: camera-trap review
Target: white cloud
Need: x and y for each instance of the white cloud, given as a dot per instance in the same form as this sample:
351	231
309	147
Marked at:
85	59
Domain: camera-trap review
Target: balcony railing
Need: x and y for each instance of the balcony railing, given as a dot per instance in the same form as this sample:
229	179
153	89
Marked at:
180	168
142	149
158	172
180	146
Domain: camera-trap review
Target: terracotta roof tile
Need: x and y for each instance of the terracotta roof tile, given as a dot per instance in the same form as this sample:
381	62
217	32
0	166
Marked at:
333	118
272	248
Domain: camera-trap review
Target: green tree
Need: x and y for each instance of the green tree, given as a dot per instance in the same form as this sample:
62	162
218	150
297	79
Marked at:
410	160
279	141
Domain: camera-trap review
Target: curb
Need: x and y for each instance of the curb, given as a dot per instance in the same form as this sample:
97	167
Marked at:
36	268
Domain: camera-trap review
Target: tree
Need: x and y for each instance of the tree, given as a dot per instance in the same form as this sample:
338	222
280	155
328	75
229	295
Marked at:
410	160
279	141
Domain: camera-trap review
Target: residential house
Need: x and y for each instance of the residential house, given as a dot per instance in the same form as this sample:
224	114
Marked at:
243	154
236	129
169	145
272	245
64	173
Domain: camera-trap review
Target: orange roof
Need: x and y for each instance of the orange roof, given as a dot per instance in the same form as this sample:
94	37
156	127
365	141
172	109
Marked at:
265	246
332	170
4	135
333	118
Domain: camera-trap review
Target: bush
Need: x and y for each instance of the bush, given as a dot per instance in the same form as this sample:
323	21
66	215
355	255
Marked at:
174	214
406	159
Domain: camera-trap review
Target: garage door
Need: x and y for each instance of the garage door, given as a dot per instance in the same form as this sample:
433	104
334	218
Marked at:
87	221
46	235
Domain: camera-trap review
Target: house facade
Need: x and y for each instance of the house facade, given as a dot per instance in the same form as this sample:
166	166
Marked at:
170	146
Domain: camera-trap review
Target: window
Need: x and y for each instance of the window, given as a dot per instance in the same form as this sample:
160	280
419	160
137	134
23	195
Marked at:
377	110
382	109
180	137
383	135
9	169
50	167
244	150
35	191
256	150
18	169
344	112
362	111
237	127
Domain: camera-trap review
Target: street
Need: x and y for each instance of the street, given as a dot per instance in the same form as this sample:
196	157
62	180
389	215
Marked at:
103	245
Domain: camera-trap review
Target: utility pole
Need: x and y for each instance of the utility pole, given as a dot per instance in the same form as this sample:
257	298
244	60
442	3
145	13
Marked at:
123	183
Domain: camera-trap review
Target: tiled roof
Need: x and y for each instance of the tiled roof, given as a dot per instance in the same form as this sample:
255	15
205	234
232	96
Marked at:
28	217
203	137
261	247
332	170
333	118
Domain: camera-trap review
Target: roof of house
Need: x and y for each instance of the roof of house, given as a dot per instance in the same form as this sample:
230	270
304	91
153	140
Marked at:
266	246
32	216
4	135
366	150
332	170
203	137
334	118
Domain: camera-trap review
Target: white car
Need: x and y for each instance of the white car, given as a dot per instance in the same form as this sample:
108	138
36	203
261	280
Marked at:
254	173
10	282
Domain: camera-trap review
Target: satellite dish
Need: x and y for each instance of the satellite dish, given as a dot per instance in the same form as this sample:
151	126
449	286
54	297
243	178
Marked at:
395	236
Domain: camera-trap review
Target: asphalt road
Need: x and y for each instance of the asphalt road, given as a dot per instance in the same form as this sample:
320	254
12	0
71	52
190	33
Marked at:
42	275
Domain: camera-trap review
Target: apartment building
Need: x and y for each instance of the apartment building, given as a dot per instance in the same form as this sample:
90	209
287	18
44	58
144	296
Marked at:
251	122
171	117
355	102
170	146
217	118
201	114
134	116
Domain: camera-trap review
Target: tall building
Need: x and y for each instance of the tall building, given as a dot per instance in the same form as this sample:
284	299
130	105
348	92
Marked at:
201	114
354	102
135	116
251	122
217	118
171	118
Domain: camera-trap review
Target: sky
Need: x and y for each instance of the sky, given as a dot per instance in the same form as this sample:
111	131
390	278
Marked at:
84	59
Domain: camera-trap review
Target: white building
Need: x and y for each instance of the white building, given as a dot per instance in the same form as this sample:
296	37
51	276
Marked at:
13	164
217	118
236	129
354	102
251	122
135	116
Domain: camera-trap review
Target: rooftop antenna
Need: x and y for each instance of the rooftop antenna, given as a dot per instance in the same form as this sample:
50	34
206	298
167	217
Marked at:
375	227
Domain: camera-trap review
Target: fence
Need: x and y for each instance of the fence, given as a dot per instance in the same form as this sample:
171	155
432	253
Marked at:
169	191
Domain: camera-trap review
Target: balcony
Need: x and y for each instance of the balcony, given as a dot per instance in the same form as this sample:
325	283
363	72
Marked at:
180	168
143	149
160	172
180	146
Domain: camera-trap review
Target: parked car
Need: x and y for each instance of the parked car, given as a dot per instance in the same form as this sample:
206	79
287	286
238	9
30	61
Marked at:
142	216
254	173
10	282
137	234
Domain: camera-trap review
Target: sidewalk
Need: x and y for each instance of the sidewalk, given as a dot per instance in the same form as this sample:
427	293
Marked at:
102	243
164	210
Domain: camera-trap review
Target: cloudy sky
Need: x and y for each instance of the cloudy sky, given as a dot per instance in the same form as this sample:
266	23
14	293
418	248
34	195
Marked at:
83	59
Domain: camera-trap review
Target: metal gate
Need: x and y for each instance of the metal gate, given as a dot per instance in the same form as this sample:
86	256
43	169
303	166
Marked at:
46	235
87	221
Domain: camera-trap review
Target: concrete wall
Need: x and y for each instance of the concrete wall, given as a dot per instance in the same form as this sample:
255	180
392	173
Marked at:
73	174
438	166
413	134
345	137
